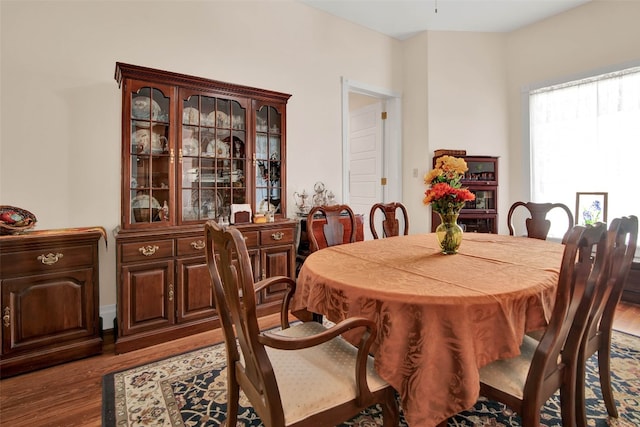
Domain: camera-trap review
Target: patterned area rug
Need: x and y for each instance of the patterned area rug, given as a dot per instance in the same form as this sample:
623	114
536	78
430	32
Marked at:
190	390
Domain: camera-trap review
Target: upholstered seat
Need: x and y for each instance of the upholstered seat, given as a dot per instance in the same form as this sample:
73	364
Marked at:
301	375
389	225
329	367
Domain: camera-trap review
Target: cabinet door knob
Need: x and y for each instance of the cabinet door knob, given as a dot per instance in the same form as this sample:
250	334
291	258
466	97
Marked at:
6	317
277	236
170	291
50	258
148	250
198	245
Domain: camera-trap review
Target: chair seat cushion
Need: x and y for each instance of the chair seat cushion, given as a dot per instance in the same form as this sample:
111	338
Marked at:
314	379
510	375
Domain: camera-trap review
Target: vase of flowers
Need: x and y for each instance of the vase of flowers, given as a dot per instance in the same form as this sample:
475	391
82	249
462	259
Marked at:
447	197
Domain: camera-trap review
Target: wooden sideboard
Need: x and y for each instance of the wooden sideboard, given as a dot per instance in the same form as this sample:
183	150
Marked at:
164	288
50	293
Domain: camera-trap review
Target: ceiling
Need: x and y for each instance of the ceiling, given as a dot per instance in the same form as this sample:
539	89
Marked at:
402	19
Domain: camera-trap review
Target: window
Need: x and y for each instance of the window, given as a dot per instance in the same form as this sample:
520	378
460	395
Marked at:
585	137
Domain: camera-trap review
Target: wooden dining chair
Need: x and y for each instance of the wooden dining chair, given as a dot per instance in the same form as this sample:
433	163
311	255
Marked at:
526	382
390	224
301	375
538	225
622	236
332	231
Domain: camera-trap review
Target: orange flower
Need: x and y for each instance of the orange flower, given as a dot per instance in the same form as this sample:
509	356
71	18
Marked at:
446	194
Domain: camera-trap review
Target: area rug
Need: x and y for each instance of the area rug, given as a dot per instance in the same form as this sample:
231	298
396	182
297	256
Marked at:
190	390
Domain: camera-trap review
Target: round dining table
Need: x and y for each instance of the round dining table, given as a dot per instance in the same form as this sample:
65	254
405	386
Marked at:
439	317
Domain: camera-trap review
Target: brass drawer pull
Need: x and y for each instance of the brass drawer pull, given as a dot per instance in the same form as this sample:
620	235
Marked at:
6	318
148	250
49	259
277	236
198	245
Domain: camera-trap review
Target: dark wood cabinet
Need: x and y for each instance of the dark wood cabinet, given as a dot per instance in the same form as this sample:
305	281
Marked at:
49	293
164	289
631	292
192	149
481	214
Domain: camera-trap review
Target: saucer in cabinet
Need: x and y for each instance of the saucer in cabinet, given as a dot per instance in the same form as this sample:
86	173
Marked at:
142	105
191	116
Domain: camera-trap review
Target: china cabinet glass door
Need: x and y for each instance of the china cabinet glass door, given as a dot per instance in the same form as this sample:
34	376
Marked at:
268	160
212	154
150	159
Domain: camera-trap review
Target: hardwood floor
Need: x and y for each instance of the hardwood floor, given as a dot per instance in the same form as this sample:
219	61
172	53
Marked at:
71	394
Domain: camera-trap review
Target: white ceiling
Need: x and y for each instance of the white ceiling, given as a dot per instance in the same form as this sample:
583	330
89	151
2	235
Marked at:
402	19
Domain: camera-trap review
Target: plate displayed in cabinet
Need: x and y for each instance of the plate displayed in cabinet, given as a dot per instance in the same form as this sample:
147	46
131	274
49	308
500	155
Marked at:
216	118
218	148
190	147
142	105
191	116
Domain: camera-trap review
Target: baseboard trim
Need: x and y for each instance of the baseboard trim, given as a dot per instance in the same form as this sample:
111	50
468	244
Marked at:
108	314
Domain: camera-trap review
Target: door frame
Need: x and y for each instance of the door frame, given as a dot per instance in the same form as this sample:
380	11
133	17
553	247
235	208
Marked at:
392	138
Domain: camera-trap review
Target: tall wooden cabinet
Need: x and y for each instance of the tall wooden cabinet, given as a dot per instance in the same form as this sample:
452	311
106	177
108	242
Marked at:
192	148
49	294
481	214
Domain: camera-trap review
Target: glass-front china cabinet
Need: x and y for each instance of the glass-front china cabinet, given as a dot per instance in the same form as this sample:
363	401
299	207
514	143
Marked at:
194	150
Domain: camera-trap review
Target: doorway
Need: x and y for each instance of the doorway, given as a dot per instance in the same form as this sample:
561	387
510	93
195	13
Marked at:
371	147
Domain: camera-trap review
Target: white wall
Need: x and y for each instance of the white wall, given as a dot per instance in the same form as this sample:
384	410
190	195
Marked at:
415	148
60	137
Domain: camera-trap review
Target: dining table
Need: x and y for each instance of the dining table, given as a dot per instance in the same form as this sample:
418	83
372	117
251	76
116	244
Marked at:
439	318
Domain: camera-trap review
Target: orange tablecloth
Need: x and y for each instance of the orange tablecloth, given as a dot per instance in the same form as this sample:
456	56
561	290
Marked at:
440	317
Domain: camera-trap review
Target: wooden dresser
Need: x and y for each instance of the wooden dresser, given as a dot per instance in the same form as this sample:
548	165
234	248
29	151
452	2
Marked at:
49	293
164	288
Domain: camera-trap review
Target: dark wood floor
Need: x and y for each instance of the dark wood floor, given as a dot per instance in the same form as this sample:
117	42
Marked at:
71	394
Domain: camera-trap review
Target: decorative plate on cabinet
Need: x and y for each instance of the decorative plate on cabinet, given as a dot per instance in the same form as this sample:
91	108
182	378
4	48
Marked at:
141	105
190	147
218	148
191	116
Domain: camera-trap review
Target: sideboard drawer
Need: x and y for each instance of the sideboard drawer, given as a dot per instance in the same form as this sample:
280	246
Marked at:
46	259
195	245
276	236
251	239
146	250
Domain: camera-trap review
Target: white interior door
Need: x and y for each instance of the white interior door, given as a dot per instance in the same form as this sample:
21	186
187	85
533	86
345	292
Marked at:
365	160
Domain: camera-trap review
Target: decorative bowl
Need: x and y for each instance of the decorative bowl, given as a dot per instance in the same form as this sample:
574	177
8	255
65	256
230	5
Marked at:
15	220
145	208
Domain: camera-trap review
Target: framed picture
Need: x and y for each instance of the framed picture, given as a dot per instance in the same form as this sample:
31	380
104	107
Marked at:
591	208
